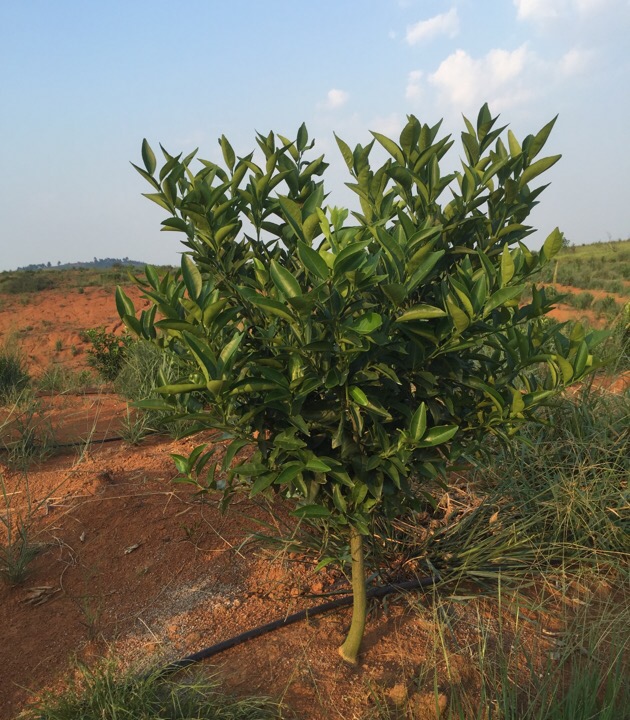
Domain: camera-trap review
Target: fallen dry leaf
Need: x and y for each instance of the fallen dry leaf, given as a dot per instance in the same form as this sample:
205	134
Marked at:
40	595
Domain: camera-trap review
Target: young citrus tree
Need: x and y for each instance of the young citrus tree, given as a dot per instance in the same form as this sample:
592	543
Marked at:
360	357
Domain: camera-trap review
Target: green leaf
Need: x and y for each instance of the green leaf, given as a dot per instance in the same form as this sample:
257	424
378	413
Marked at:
293	215
284	280
180	388
535	169
540	139
316	465
515	148
123	303
581	358
438	435
500	297
346	153
565	368
424	269
262	483
460	320
228	152
552	245
302	137
339	500
367	323
230	349
418	425
148	157
270	306
311	511
233	448
213	310
421	312
507	266
350	258
313	261
192	277
391	147
250	469
203	355
359	396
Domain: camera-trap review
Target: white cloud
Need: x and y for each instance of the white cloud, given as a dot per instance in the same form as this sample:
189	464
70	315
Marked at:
574	62
335	99
467	82
538	10
543	10
443	24
413	91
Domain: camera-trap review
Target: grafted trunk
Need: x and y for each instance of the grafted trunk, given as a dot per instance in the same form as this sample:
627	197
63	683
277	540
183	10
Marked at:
349	651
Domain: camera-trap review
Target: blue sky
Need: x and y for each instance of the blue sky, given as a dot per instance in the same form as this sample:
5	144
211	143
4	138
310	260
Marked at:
81	83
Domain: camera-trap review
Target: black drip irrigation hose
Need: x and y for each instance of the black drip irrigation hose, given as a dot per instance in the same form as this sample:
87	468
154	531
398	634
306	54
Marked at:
82	443
377	592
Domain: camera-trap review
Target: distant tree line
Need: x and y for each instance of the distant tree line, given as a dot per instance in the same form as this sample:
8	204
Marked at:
100	263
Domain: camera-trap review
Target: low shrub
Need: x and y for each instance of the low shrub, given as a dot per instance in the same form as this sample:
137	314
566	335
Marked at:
26	281
582	300
108	351
607	306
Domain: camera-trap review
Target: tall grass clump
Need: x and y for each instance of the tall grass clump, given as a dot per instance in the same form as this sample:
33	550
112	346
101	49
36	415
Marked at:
13	374
497	668
104	693
568	477
144	369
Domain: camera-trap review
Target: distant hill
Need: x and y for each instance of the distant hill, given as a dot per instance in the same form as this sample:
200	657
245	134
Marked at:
100	264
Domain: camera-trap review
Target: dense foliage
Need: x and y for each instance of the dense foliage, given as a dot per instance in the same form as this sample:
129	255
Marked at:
360	355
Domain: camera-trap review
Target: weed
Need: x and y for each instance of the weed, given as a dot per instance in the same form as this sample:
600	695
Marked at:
582	300
144	369
107	352
28	436
606	306
56	379
135	426
59	345
13	375
105	692
81	290
17	550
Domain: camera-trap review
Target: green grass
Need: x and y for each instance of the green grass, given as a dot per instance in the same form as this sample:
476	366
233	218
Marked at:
601	266
103	693
58	379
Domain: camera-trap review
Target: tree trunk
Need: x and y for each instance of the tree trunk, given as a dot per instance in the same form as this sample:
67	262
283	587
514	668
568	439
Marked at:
349	651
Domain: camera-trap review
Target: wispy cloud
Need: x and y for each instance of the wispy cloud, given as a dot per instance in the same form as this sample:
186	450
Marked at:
389	125
335	99
538	10
575	62
443	24
413	91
